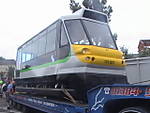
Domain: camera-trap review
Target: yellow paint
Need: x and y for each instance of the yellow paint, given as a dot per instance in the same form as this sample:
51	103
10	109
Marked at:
98	55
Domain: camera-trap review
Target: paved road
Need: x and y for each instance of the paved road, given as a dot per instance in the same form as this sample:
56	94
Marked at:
3	107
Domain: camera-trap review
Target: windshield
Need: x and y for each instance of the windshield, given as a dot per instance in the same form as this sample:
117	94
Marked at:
90	33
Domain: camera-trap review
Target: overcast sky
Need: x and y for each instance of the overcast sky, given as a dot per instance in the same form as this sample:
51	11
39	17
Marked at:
22	19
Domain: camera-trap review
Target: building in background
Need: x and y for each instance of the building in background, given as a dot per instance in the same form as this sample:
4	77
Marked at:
7	67
143	45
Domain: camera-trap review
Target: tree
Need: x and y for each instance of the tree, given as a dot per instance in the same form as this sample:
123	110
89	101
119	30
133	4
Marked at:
98	6
124	50
144	53
126	53
2	74
10	73
93	4
74	6
1	58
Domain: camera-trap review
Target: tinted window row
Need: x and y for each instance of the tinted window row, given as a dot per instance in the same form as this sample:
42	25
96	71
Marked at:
41	44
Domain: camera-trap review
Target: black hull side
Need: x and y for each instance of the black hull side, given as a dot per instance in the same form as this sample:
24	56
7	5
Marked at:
80	82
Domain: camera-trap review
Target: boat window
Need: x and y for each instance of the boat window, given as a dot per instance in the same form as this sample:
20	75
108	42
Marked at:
76	32
64	40
99	34
51	37
90	33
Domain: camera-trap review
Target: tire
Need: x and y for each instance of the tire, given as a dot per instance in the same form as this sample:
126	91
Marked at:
135	110
25	109
18	106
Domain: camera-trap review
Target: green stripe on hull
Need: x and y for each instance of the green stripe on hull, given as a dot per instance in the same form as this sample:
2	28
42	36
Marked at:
46	65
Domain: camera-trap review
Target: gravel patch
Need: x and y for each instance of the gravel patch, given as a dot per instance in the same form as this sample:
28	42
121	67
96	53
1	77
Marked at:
3	107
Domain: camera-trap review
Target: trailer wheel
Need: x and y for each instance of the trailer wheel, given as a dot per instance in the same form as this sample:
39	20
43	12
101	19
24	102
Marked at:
25	109
18	107
134	110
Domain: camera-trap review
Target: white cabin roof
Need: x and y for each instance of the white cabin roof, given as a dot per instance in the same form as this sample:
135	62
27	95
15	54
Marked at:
79	14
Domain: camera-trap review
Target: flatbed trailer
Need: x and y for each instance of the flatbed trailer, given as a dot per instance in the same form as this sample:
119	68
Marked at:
101	99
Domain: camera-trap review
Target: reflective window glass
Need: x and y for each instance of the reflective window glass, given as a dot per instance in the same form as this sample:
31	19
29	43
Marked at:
64	40
51	37
42	44
76	32
99	34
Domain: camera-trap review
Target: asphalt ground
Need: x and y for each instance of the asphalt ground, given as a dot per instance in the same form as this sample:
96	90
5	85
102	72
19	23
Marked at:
3	107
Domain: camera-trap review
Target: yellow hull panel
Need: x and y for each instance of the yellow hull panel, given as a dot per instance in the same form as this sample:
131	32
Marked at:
98	55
